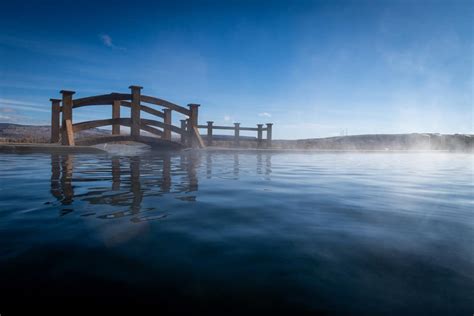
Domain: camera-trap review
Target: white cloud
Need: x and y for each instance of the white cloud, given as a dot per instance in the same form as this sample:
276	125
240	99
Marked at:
227	118
107	41
264	114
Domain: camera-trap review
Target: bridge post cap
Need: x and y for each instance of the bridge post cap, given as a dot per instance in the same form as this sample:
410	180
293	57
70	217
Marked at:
67	92
269	124
210	122
259	124
236	124
194	105
55	100
135	87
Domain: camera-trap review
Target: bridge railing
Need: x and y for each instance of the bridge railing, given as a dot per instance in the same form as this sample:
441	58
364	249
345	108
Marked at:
237	128
63	129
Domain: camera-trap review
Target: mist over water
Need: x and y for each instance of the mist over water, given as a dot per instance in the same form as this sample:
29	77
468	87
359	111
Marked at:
332	233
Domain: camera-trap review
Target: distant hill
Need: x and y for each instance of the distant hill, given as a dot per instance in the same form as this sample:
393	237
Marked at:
416	141
17	133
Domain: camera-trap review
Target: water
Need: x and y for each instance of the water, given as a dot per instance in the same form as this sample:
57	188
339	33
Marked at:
336	234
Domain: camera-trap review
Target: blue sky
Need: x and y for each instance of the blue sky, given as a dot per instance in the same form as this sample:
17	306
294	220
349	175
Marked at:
314	68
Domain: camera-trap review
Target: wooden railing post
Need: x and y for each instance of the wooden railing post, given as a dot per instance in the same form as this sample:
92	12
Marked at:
209	133
67	134
183	135
135	111
116	115
55	119
167	128
269	135
236	134
259	135
192	123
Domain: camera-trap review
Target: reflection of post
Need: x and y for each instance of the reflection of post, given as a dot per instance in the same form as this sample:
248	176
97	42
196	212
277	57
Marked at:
135	186
236	165
166	185
115	173
268	165
208	165
259	163
55	175
66	179
191	170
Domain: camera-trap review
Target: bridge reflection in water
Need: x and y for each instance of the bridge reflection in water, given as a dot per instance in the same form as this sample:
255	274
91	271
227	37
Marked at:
126	181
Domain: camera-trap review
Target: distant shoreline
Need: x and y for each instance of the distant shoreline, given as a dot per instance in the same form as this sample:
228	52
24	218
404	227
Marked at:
34	136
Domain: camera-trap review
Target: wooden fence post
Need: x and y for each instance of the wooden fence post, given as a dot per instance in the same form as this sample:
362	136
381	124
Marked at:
116	115
236	134
183	136
259	135
269	135
135	111
167	128
209	133
67	116
55	119
192	122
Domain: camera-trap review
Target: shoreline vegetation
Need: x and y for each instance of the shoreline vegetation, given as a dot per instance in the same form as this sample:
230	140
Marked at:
33	138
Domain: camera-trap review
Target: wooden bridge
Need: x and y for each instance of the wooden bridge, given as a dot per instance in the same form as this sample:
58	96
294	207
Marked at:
160	127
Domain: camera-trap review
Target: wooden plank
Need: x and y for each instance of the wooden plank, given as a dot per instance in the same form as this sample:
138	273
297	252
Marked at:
173	128
167	122
101	99
224	127
98	123
200	142
55	119
67	114
166	104
144	108
69	133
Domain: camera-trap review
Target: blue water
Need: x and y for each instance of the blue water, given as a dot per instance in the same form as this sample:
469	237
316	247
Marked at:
333	233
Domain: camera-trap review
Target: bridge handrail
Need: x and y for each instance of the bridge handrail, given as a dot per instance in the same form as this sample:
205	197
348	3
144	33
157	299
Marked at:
101	99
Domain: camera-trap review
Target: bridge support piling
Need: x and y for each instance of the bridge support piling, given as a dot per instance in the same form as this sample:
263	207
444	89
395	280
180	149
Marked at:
209	133
55	119
167	120
116	115
236	134
192	123
183	136
259	135
66	116
135	111
269	135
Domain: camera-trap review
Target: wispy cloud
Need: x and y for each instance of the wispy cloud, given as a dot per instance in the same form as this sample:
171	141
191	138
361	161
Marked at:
8	105
264	114
227	118
107	41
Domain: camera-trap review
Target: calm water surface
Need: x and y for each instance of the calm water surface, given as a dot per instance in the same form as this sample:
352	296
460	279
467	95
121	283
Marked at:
336	234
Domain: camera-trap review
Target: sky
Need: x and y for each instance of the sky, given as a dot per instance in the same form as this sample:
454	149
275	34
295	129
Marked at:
313	68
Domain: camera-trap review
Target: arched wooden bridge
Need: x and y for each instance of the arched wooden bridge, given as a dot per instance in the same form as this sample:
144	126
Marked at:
164	133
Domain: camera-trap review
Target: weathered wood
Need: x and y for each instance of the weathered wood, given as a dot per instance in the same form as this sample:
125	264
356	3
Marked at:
55	119
200	142
69	133
116	115
66	113
209	133
269	135
101	99
174	129
237	134
259	135
151	130
192	123
135	111
166	104
167	121
183	135
144	108
98	123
